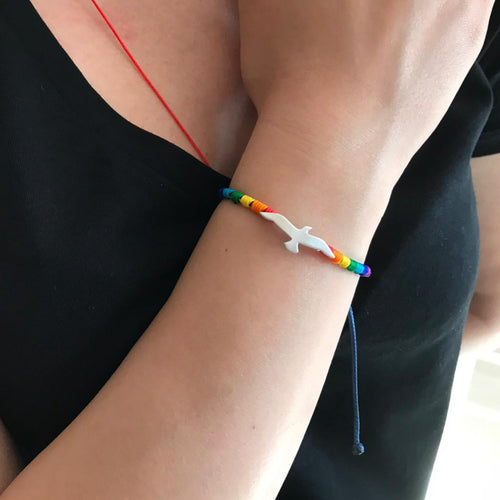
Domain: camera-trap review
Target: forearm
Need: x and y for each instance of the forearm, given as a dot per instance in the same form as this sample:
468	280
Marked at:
214	399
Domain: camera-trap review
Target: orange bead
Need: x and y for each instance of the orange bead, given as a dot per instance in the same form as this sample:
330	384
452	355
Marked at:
338	256
257	206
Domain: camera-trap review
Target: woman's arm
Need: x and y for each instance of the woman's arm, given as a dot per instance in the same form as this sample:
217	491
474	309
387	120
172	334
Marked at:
482	329
215	397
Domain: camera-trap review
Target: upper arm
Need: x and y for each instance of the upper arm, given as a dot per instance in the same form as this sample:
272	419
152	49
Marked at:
486	181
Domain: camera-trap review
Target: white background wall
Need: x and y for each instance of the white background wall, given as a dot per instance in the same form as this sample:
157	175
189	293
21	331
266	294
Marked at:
468	461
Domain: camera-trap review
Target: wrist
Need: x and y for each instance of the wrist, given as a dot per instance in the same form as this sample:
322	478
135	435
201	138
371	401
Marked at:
325	188
327	124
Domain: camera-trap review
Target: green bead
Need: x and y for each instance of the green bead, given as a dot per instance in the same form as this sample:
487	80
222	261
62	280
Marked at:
235	196
352	266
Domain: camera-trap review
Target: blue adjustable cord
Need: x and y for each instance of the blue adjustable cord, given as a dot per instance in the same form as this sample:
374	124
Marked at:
357	447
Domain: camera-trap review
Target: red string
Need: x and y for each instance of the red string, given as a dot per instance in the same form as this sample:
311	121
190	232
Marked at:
203	159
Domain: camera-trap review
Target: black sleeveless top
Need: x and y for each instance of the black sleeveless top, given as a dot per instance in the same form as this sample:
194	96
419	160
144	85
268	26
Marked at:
88	201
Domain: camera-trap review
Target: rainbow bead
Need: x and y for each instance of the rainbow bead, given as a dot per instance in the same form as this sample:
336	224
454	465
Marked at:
257	206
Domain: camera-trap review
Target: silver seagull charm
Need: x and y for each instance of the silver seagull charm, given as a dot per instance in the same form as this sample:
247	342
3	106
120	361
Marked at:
297	235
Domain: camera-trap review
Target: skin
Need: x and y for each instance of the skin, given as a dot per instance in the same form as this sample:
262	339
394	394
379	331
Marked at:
201	47
10	461
482	330
211	112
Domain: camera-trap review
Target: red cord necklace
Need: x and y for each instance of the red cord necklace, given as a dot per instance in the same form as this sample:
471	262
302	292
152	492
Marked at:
136	64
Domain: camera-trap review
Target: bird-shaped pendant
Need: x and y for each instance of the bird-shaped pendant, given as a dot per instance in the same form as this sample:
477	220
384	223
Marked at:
297	235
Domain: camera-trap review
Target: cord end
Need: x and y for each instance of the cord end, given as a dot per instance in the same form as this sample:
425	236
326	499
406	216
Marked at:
358	449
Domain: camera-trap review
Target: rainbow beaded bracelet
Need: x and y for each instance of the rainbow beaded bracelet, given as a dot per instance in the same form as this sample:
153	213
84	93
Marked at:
298	236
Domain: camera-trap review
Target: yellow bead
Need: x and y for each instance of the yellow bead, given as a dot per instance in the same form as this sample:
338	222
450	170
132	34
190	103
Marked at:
345	262
245	200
